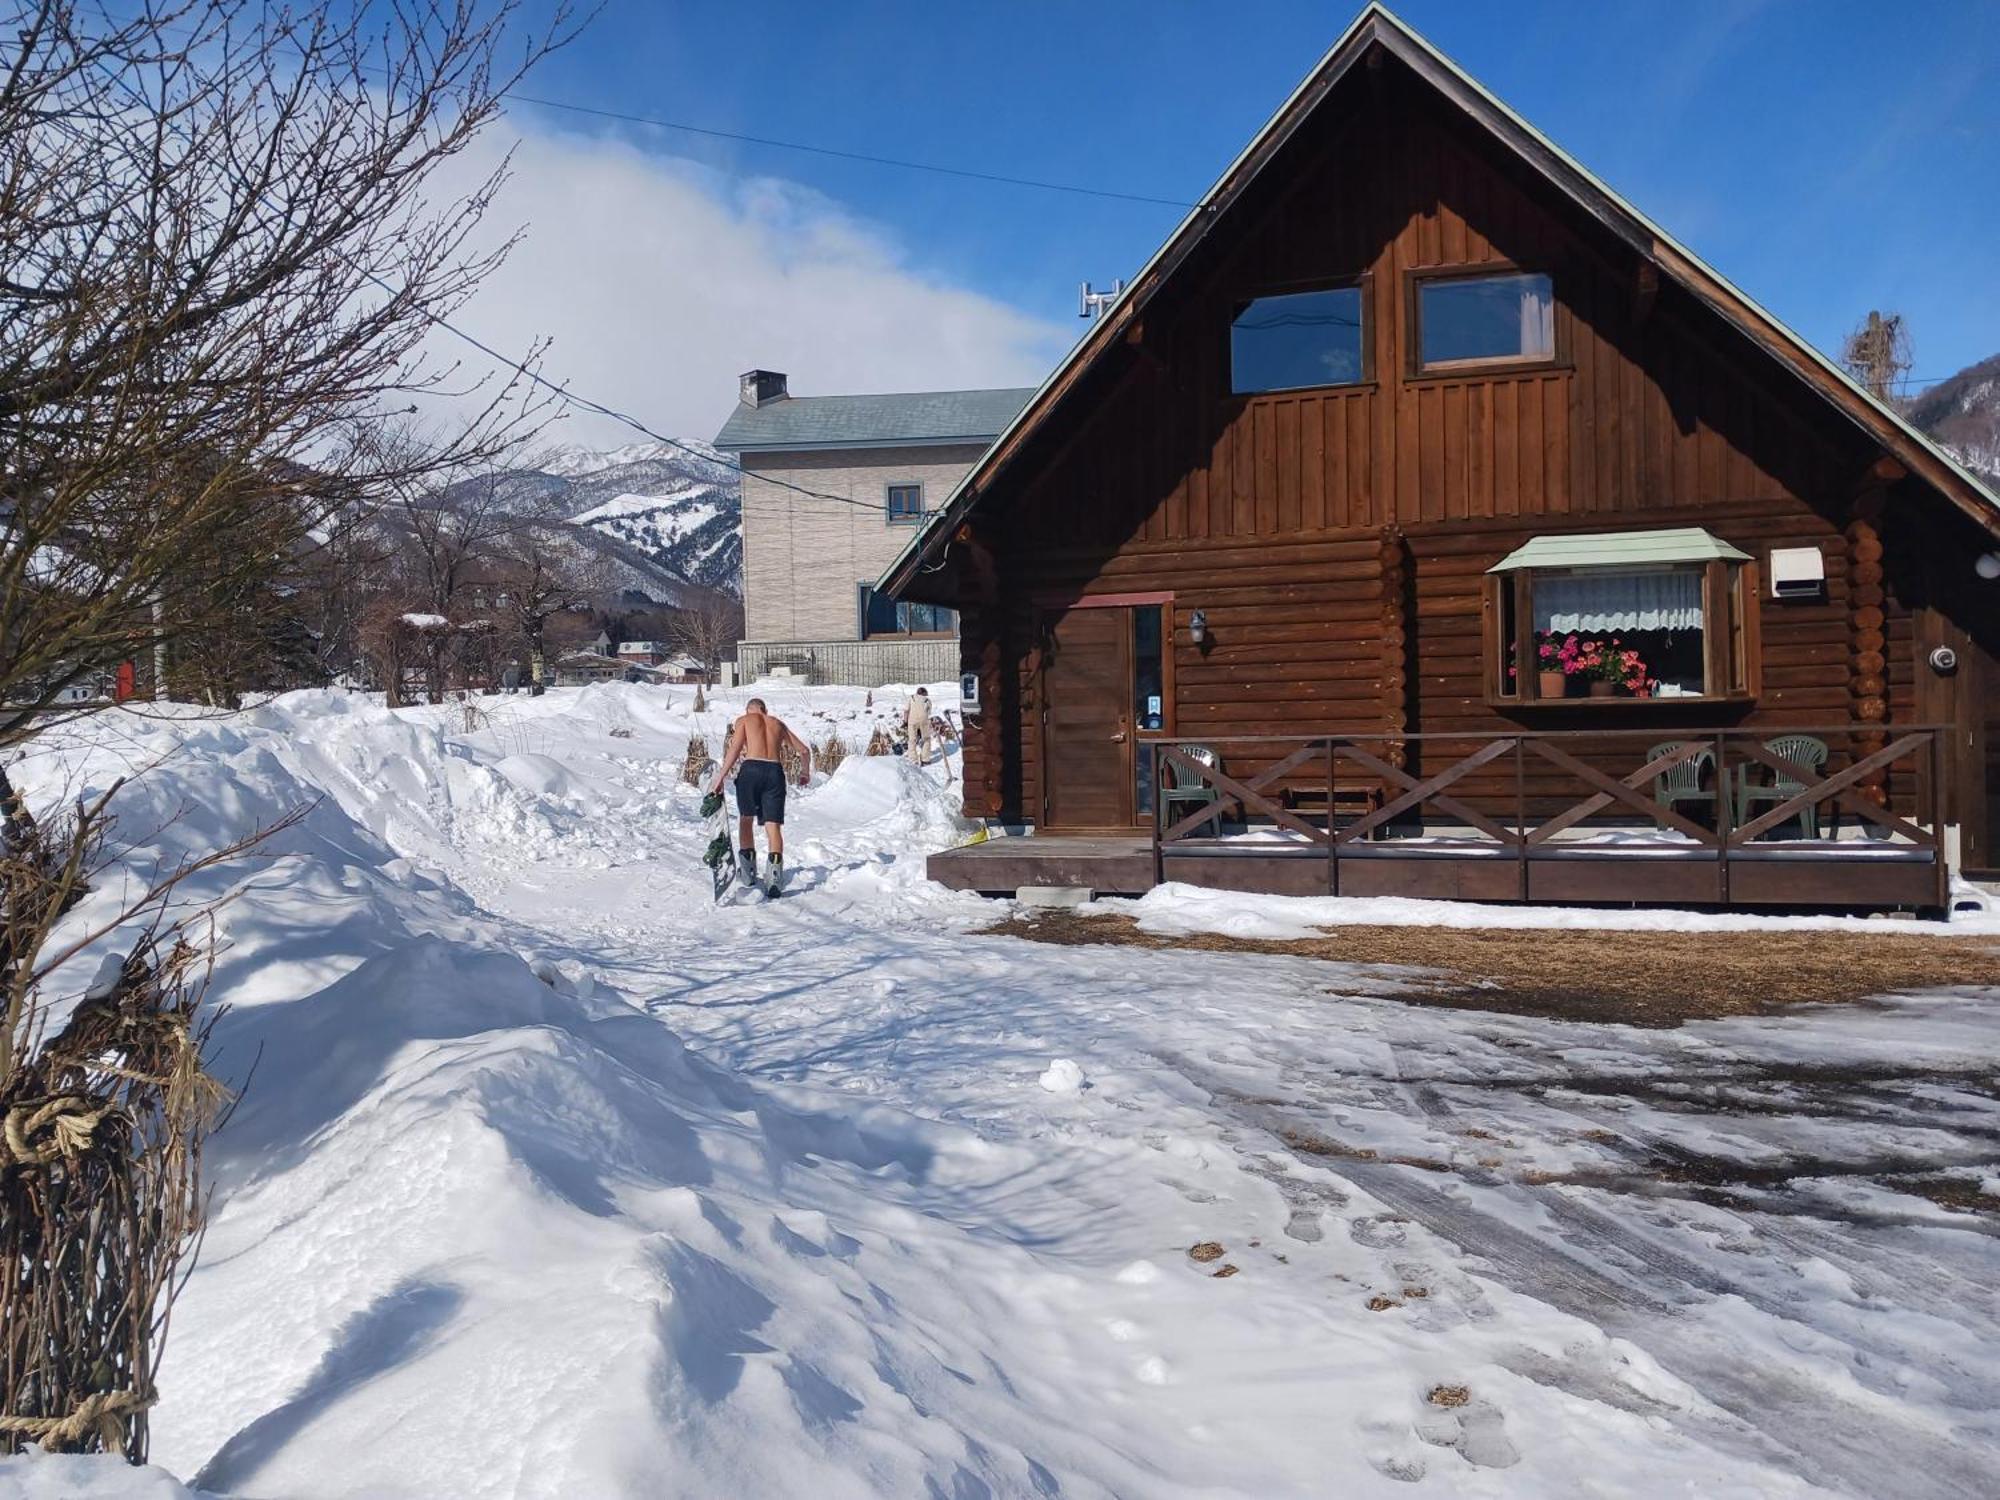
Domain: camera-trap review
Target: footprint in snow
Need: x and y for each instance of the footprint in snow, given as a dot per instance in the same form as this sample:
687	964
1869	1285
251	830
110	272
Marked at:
1452	1417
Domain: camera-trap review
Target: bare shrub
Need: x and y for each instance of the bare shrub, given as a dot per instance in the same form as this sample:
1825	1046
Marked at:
879	742
788	757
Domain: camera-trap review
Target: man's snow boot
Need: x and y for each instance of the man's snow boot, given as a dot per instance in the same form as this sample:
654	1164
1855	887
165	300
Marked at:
746	865
775	875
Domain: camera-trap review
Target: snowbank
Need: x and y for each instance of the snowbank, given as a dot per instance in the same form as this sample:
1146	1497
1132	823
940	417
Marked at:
487	1225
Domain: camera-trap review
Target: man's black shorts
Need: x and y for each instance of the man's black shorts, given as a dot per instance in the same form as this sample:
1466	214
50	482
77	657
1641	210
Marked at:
760	791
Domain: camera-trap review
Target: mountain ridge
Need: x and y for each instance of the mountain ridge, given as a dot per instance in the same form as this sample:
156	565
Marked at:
1962	414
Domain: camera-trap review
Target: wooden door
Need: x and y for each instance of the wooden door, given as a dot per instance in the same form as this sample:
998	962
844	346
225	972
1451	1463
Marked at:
1981	847
1087	720
1967	699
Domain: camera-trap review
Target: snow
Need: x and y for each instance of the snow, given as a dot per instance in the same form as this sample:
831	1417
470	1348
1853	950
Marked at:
1062	1076
425	622
555	1179
689	515
1178	910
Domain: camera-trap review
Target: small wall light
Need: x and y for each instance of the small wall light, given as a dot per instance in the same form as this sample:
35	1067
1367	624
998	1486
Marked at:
1988	565
1198	627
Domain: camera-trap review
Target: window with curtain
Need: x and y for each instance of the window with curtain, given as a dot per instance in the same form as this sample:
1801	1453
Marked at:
1476	320
1684	630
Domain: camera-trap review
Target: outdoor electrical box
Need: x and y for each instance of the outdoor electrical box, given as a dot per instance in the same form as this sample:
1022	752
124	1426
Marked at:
968	694
1797	573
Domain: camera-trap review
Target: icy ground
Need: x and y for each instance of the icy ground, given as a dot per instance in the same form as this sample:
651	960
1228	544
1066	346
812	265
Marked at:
554	1180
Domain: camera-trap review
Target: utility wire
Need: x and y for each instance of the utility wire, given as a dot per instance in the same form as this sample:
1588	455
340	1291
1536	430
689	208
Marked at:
861	156
560	392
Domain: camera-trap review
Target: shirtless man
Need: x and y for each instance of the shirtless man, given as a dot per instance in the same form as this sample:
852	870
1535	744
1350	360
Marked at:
755	740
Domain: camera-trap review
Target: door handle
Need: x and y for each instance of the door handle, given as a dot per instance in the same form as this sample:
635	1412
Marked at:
1118	738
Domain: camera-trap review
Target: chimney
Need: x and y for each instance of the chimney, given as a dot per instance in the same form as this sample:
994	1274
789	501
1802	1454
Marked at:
760	387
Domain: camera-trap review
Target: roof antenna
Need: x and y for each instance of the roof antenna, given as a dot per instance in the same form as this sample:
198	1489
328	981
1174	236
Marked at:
1091	304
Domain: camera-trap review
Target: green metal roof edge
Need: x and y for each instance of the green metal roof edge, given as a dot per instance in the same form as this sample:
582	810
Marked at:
1372	11
1605	549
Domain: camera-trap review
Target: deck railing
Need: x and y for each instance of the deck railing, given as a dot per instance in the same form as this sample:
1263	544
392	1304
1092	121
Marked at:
1366	773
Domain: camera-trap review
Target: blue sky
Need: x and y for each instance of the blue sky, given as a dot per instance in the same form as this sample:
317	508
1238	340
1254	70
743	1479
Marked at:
1828	156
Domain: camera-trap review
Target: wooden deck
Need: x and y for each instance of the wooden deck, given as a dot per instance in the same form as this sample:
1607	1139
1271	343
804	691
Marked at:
1616	845
1821	874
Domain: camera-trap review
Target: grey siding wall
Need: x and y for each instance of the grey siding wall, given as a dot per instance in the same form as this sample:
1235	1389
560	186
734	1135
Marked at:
802	557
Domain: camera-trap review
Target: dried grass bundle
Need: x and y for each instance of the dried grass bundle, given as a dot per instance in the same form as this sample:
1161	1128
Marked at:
879	742
830	752
699	762
101	1134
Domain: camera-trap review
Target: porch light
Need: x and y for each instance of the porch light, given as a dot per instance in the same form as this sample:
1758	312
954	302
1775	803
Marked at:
1988	565
1198	627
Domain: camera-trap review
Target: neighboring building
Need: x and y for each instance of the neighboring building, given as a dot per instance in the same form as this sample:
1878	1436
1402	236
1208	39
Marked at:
580	668
642	653
833	486
1406	406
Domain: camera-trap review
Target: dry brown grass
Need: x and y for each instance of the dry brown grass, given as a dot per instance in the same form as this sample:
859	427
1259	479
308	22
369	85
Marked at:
1638	978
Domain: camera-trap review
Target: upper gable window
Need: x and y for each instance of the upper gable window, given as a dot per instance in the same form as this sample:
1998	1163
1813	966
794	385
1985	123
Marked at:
1464	321
1297	340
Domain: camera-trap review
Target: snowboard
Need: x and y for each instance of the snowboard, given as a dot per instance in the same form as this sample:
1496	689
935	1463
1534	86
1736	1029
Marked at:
720	855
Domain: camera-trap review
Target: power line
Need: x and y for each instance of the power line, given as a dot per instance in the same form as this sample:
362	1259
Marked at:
561	393
861	156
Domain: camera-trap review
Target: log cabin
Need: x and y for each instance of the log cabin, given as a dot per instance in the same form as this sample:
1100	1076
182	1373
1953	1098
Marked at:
1424	520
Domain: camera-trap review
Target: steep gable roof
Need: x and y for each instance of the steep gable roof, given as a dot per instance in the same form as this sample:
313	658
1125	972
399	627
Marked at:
1376	26
909	419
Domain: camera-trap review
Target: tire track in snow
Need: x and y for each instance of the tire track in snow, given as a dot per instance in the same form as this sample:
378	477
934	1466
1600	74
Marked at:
1584	1264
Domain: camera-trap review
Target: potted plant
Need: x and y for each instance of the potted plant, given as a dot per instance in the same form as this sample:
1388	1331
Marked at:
1556	664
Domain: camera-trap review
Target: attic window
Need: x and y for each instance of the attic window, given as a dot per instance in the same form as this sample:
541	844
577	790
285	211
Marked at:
1298	340
905	505
1467	321
1617	616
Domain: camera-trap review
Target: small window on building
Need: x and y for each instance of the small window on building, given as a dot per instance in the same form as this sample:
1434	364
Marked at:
1464	321
1296	341
884	616
906	504
1652	615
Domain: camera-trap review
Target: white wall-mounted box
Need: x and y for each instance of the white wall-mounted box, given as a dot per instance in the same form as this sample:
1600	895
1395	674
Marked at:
1797	573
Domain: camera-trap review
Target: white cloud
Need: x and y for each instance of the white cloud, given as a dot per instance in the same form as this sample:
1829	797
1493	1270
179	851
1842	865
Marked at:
659	281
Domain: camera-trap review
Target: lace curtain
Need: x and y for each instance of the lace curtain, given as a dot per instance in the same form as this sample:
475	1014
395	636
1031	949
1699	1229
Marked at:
1618	601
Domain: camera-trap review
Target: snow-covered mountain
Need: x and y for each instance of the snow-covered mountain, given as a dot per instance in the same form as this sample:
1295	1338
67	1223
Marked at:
1963	413
678	505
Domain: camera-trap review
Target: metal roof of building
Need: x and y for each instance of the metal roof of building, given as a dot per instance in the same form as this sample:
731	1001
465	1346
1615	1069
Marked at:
1614	549
909	419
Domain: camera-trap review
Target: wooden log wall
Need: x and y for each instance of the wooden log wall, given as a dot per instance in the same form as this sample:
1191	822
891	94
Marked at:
1294	639
1312	525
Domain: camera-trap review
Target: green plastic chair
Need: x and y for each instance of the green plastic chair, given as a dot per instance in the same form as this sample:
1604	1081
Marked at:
1800	750
1683	782
1190	793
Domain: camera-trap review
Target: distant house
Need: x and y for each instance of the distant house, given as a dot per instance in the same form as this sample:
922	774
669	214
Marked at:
833	487
642	653
579	668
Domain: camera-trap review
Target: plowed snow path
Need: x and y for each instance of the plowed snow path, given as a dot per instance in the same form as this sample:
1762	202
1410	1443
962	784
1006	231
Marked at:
1734	1199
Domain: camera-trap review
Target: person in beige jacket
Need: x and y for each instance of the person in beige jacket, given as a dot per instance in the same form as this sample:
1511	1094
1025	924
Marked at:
917	723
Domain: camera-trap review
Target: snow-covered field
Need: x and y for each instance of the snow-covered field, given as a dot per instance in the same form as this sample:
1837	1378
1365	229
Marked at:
555	1180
